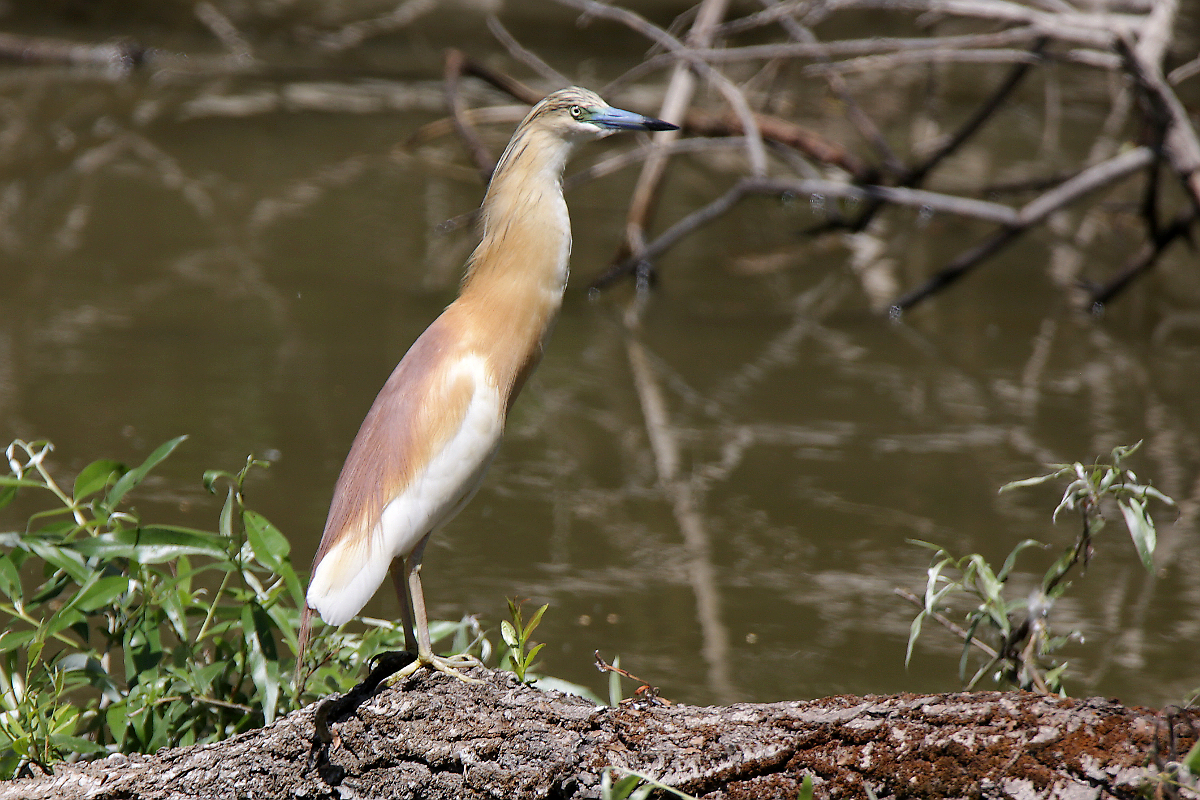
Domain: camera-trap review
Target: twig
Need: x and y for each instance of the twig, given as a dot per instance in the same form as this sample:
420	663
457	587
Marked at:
729	91
1094	29
224	29
1146	258
122	56
1180	144
926	200
957	630
837	84
848	48
524	55
784	132
1034	212
359	31
455	66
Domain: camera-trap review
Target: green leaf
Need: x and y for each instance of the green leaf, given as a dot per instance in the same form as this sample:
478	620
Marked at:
10	578
225	521
117	717
1011	561
270	546
256	628
533	653
914	630
65	559
153	545
9	480
625	786
12	640
1192	759
1141	528
137	474
97	475
1037	481
537	618
806	788
509	634
100	594
614	685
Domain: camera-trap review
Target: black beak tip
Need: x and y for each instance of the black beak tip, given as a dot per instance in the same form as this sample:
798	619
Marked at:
659	125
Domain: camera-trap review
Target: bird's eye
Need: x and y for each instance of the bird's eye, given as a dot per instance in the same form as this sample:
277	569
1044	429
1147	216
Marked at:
576	112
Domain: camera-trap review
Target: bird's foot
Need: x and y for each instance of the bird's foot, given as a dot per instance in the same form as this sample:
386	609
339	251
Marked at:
447	665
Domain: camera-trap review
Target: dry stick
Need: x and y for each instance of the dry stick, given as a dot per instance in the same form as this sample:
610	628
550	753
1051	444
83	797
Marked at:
679	93
1145	259
880	63
774	13
455	66
1180	144
524	55
933	201
355	33
968	129
610	164
846	48
837	84
40	50
1031	214
224	29
606	166
1094	29
774	129
678	98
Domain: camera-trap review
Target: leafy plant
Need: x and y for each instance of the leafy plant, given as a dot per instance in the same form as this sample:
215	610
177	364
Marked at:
516	635
136	636
1025	645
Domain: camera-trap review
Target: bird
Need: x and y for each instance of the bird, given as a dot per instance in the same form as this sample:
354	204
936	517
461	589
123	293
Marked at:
435	426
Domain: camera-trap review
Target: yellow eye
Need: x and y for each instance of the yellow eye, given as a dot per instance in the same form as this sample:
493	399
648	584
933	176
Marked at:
576	112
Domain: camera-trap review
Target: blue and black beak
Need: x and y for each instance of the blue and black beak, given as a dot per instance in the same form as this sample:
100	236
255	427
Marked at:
617	120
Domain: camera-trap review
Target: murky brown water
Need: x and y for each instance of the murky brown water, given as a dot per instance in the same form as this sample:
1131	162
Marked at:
251	280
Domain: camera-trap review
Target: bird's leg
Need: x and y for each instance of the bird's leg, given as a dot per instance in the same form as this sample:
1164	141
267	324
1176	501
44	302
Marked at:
425	656
399	572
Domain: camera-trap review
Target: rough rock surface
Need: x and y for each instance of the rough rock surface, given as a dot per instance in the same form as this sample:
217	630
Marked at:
432	737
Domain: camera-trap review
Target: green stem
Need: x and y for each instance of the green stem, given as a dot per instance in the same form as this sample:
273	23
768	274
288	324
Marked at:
212	608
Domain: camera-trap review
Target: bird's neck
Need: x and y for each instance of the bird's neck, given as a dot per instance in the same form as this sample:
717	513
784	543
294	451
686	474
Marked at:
515	280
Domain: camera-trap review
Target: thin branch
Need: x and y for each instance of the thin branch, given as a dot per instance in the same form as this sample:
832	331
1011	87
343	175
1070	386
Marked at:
837	84
524	55
784	132
925	200
947	623
733	96
1181	144
1034	212
1145	259
478	151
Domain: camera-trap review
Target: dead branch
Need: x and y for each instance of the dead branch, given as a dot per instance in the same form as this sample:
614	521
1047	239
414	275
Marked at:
525	55
790	134
456	65
1180	143
1034	212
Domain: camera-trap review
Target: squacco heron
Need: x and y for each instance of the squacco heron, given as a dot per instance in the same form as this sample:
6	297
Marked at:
434	428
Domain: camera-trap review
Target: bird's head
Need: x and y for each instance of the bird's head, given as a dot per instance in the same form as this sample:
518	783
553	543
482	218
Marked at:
576	113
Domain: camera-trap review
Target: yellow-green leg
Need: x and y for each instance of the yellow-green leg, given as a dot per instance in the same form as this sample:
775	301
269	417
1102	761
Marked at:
448	665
